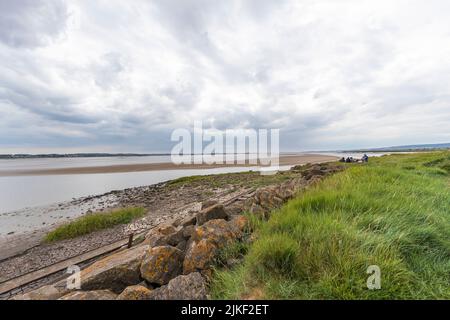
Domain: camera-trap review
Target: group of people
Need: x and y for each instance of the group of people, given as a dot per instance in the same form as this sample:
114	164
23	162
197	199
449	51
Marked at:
365	158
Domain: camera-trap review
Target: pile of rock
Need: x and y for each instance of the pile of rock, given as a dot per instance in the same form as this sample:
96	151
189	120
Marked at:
174	261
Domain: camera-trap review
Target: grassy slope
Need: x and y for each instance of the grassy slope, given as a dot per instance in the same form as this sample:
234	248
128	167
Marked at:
94	222
393	212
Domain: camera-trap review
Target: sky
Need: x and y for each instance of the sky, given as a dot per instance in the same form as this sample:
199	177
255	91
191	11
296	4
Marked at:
120	76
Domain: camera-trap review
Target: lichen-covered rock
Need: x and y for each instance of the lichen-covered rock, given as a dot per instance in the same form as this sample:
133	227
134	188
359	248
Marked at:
136	292
205	243
217	230
115	272
239	224
214	212
90	295
184	287
168	235
200	255
166	229
161	264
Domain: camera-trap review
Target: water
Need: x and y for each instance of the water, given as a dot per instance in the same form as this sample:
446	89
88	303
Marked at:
30	191
19	192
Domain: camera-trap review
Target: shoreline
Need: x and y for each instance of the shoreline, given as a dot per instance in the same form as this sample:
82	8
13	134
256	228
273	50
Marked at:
62	212
288	160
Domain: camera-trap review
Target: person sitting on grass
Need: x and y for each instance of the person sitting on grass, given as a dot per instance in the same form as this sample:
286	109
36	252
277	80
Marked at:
365	158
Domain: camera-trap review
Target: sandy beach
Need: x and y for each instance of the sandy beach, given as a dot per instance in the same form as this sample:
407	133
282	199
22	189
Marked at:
286	160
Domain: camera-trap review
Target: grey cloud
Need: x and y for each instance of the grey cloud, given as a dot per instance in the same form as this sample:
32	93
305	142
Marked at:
108	68
31	23
130	72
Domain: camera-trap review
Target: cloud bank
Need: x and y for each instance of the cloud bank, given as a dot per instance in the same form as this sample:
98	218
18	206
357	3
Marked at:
120	76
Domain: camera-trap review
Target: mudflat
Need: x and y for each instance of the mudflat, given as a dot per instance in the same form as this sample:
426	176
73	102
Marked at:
285	160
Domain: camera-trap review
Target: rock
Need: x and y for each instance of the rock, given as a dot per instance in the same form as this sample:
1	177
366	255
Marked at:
206	242
153	239
161	264
114	272
256	209
174	238
166	229
137	292
188	231
217	230
49	292
184	287
208	203
90	295
182	245
239	223
215	212
235	209
169	236
188	221
199	256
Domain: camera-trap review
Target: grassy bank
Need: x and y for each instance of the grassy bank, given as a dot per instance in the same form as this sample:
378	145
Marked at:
393	212
94	222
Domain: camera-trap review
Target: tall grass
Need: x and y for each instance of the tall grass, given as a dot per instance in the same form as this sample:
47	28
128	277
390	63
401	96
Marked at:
393	212
94	222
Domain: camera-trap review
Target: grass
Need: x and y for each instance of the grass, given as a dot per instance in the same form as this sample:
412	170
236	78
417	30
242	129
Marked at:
393	212
94	222
239	179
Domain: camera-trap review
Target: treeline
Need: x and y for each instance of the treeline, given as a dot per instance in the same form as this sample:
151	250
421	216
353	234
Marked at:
76	155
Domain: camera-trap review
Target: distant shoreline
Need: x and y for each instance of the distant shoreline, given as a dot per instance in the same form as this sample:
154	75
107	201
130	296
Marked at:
284	161
77	155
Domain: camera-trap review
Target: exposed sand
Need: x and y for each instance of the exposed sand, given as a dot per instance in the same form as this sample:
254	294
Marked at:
287	160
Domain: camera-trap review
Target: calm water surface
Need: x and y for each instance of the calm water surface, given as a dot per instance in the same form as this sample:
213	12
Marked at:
18	192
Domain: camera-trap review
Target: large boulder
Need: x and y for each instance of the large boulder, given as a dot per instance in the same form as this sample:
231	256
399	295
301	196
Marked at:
239	224
161	264
205	243
90	295
217	230
136	292
199	256
168	235
214	212
184	287
115	272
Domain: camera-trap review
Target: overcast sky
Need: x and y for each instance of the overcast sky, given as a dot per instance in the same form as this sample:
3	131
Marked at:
119	76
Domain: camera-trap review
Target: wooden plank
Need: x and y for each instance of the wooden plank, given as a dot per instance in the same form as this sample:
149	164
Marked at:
44	272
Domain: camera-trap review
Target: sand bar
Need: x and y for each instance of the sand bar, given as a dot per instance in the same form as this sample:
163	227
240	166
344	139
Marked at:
287	160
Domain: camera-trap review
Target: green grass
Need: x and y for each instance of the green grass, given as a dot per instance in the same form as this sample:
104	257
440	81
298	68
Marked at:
94	222
238	179
393	212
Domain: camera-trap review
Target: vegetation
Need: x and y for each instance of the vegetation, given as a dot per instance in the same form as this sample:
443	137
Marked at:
239	179
393	212
94	222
